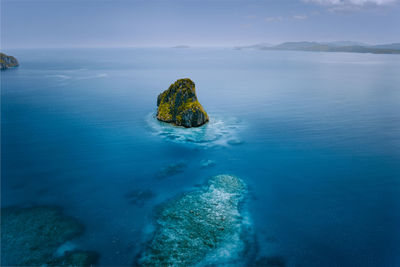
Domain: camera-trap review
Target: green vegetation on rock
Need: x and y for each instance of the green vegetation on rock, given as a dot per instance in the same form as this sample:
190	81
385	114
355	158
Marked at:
179	105
31	237
7	61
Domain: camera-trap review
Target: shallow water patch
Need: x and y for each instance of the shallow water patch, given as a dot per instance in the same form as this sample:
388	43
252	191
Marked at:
39	236
139	197
217	132
207	163
171	170
203	227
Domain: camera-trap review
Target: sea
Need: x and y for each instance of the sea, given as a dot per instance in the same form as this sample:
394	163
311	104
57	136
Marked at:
314	135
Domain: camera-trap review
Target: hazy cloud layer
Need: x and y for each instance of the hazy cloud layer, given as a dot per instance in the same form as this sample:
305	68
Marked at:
300	17
126	23
352	2
273	19
351	5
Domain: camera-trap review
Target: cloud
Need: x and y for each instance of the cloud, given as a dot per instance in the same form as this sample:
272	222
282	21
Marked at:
273	19
281	18
352	2
246	25
337	5
301	17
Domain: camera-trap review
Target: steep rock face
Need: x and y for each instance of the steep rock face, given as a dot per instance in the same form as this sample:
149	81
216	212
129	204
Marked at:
7	61
179	105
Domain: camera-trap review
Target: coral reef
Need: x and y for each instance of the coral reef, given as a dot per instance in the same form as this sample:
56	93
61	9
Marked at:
31	237
75	258
171	170
207	163
7	61
139	197
204	227
179	105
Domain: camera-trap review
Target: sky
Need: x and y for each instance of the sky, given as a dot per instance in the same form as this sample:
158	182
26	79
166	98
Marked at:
141	23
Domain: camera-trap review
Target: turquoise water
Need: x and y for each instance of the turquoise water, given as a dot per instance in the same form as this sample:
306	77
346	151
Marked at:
316	137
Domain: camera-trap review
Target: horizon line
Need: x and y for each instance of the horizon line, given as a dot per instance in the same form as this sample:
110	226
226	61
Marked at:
185	46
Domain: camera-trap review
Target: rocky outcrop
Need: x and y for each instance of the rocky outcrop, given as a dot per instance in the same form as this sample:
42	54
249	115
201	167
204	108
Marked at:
7	61
179	105
205	227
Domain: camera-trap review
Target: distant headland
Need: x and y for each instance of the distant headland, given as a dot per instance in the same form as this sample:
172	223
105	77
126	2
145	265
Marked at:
340	46
179	105
7	61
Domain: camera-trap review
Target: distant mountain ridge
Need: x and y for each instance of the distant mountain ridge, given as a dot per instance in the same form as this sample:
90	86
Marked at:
339	46
345	43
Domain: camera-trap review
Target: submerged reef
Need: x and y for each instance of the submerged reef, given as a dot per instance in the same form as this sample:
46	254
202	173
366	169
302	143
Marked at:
205	227
7	61
139	197
171	170
179	105
207	163
32	236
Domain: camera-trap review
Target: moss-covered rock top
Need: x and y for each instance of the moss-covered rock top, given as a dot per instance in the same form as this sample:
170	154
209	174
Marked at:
7	61
179	105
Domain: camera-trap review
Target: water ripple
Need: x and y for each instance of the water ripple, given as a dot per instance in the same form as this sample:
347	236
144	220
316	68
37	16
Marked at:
219	131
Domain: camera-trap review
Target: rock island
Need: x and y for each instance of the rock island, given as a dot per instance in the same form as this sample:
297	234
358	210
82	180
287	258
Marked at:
179	105
7	61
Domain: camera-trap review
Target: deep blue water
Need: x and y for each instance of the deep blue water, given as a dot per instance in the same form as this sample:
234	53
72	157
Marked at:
316	136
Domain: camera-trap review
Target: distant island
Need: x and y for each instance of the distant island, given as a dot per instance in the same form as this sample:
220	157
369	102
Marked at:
179	105
7	61
341	46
